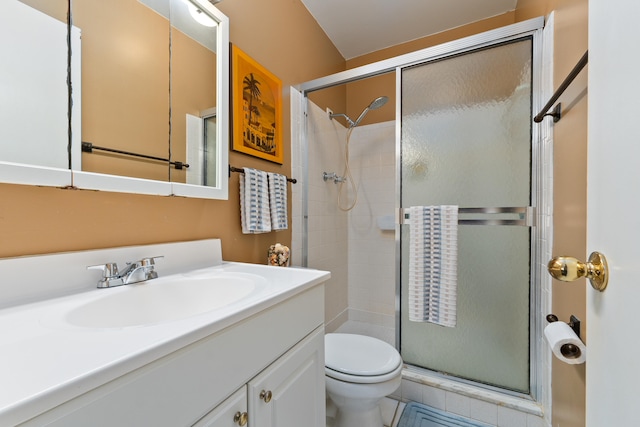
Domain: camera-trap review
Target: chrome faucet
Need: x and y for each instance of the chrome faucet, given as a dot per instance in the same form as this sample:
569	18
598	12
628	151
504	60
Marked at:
134	272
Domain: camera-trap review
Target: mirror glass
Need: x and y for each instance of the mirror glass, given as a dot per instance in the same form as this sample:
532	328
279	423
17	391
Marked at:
125	54
193	92
145	94
33	81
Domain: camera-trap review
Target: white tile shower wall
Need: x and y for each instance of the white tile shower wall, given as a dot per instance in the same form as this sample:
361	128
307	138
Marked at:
296	172
372	250
327	225
545	223
359	255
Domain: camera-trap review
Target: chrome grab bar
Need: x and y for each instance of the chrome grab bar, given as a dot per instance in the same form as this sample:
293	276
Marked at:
526	216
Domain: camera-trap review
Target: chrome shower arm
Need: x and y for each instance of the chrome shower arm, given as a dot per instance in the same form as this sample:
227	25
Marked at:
349	121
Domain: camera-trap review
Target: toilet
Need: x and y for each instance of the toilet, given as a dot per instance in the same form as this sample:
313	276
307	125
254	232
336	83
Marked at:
359	372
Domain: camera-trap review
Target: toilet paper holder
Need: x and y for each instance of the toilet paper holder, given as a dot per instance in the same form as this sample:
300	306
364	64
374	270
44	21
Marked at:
574	322
570	351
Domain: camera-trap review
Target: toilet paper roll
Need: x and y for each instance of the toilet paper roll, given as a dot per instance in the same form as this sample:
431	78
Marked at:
565	344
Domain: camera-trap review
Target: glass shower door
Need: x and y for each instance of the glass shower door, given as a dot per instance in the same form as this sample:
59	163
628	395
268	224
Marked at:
466	141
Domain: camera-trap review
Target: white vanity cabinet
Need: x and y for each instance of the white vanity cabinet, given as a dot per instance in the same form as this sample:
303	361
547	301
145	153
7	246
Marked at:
289	393
279	350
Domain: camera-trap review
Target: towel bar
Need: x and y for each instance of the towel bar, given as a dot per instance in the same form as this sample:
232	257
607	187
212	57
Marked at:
88	147
241	170
526	216
557	111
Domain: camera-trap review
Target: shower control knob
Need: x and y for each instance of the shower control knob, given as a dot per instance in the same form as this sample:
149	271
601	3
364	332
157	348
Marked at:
326	176
568	269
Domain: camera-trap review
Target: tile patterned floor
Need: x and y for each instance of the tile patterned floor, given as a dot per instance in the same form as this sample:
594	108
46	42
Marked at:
391	412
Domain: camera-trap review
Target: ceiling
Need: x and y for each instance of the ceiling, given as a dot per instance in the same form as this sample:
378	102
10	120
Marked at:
358	27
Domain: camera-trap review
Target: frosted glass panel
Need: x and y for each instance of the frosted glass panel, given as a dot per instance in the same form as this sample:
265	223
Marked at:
466	141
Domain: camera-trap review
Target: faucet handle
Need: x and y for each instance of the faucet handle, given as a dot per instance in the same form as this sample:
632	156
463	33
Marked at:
141	270
149	261
110	274
109	269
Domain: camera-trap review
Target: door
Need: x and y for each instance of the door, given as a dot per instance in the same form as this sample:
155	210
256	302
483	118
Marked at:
290	392
466	140
613	337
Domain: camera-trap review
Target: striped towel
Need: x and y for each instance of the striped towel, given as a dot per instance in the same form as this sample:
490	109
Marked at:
433	252
255	215
278	201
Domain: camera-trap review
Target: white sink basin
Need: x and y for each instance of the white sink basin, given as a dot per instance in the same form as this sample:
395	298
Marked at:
163	300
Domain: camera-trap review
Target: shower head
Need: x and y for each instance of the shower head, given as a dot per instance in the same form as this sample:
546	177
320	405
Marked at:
378	102
374	105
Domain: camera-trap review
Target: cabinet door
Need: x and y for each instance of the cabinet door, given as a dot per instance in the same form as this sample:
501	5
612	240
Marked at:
230	413
290	392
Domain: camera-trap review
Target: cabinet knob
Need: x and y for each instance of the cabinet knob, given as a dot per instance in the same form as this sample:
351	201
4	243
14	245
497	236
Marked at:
266	396
240	418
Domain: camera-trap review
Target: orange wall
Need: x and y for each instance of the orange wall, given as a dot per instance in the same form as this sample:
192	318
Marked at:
279	34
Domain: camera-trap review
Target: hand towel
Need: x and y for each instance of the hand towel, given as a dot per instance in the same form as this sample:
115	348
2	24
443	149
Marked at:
433	262
278	201
255	215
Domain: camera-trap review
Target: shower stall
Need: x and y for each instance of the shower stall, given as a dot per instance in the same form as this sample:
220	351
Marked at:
463	135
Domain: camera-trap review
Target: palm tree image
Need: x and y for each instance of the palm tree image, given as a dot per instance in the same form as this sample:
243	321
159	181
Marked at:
259	115
251	86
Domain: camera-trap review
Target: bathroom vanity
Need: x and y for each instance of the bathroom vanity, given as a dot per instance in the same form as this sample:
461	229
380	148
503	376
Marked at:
256	357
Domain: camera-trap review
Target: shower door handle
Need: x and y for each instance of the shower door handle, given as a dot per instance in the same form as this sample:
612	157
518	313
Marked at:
568	269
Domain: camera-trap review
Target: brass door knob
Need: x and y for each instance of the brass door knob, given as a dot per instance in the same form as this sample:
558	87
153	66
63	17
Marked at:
266	396
569	269
240	418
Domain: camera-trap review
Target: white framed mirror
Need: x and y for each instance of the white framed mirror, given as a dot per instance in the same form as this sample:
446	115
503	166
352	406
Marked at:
182	69
208	102
34	130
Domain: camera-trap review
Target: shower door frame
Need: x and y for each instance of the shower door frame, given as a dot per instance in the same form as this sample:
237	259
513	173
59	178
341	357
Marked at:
541	157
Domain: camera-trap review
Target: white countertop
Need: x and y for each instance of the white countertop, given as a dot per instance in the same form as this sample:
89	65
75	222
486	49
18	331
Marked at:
46	361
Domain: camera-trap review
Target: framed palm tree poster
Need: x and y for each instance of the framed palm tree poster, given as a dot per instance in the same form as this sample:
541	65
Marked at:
257	109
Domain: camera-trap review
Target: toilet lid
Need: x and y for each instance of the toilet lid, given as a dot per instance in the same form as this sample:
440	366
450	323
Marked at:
360	355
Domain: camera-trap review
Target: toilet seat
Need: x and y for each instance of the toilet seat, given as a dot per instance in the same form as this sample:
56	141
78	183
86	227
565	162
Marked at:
360	359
